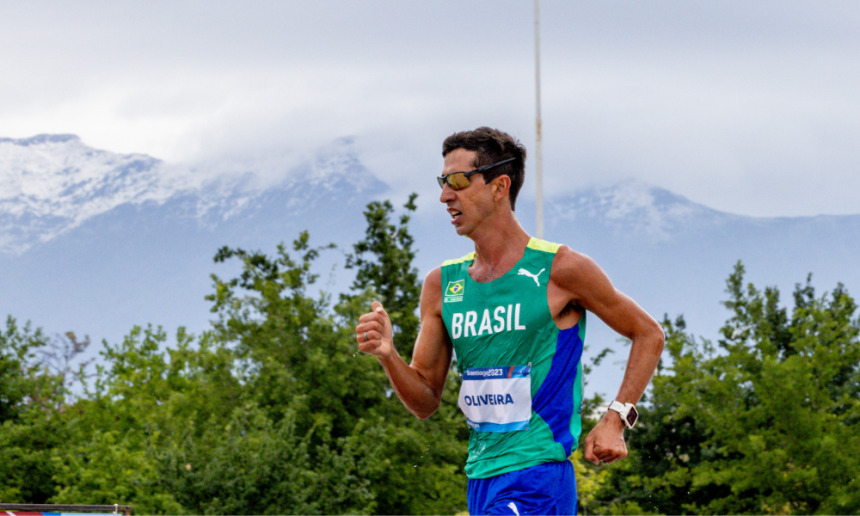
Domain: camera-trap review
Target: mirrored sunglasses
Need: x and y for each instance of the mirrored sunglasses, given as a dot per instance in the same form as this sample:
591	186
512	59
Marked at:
460	180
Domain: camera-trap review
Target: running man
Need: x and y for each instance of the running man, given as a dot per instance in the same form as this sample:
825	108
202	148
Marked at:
514	310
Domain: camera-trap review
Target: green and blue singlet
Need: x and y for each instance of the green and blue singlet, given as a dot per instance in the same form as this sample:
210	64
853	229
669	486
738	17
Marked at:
522	378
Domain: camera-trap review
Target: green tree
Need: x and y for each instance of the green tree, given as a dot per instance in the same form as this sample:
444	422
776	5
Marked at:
32	401
146	400
384	264
272	410
21	383
415	467
766	422
299	354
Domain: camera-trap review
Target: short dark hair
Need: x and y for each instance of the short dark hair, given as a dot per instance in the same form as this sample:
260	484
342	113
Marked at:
492	146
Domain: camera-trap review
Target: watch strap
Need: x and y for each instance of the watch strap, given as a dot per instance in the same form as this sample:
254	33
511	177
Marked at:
624	410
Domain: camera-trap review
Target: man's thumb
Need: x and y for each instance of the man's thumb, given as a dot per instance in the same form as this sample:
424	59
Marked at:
376	306
589	452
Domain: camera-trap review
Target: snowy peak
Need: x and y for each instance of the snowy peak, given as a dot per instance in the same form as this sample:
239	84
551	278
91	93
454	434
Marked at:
635	207
51	184
227	189
52	175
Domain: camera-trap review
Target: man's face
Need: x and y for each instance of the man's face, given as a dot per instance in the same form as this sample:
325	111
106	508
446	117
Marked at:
469	206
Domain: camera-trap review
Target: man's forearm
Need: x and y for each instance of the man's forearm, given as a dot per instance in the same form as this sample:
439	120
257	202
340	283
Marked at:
644	356
411	387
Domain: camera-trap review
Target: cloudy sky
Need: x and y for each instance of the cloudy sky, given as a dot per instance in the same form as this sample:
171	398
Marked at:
747	107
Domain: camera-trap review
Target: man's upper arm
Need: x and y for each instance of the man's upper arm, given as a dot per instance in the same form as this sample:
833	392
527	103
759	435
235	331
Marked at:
432	355
590	288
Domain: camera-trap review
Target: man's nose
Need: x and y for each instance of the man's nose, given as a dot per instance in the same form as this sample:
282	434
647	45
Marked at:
447	194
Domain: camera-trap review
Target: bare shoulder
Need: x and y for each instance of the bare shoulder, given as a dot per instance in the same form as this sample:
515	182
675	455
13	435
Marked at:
433	278
431	291
580	281
432	354
571	269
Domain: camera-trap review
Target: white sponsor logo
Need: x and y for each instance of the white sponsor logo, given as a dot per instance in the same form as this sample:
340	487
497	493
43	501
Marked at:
524	272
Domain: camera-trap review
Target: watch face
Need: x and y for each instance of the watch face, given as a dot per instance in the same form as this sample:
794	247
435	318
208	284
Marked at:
632	416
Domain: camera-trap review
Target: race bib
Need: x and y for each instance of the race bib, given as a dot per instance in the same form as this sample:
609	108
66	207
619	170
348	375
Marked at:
497	399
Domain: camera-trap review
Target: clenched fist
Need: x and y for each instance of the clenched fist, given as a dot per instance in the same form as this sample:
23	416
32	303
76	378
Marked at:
605	443
373	332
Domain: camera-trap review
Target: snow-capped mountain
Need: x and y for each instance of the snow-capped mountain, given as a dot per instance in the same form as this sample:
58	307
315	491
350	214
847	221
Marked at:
637	208
673	256
52	184
97	242
49	184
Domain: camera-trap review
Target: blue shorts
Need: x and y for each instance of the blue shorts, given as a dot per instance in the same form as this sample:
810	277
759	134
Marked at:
544	489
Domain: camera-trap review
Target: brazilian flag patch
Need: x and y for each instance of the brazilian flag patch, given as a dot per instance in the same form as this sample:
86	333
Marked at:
454	291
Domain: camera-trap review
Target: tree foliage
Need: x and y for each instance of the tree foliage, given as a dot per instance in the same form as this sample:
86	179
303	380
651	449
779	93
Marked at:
767	421
31	426
270	411
384	264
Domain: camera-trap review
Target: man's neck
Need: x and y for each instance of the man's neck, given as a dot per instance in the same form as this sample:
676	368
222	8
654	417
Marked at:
498	247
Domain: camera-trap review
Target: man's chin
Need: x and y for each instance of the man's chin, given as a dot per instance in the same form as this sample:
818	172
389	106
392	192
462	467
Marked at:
462	230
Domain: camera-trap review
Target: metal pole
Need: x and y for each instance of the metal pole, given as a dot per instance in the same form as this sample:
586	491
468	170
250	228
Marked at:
538	142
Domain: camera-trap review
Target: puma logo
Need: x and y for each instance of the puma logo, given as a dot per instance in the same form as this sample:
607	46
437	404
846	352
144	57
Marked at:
524	272
512	505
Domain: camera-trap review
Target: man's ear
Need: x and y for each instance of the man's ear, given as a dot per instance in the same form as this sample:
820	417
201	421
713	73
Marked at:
501	186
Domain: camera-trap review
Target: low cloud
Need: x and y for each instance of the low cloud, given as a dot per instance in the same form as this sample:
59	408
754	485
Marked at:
748	109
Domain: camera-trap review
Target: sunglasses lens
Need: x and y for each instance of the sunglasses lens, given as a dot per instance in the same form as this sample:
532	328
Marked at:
457	180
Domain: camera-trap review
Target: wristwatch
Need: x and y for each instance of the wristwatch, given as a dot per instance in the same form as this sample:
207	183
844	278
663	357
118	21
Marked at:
627	411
